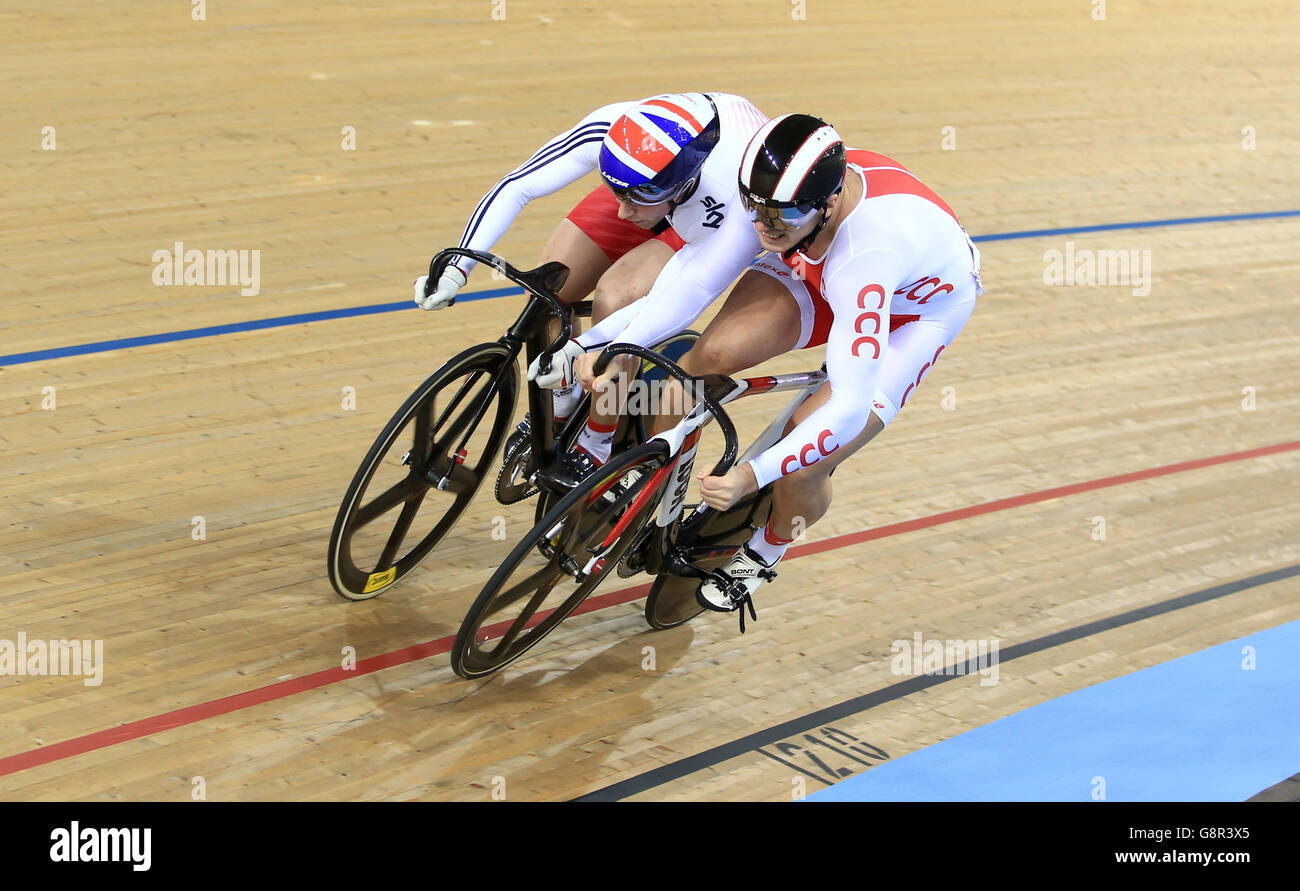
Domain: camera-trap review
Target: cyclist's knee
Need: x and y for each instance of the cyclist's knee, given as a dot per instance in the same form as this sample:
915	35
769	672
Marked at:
613	292
802	497
808	484
708	356
687	361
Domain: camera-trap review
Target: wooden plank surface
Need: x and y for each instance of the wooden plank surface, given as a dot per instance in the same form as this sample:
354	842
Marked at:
227	134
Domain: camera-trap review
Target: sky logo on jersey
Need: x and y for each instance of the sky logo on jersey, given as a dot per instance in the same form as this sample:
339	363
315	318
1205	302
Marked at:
713	210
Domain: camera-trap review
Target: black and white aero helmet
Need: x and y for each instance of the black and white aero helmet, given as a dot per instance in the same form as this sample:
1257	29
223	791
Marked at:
789	171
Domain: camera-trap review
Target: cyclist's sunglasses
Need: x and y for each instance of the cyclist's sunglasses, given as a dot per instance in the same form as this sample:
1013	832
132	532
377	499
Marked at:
782	218
647	194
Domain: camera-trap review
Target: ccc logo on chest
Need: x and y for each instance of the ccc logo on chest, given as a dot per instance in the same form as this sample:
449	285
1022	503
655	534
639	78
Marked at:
871	300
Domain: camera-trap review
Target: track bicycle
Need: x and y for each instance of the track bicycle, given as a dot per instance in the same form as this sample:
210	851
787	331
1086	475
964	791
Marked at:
443	442
628	517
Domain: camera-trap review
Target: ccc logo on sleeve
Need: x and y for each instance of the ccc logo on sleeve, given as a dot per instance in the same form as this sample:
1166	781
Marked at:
802	458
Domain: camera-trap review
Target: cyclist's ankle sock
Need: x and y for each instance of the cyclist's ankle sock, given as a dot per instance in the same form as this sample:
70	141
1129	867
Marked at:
767	545
566	400
597	440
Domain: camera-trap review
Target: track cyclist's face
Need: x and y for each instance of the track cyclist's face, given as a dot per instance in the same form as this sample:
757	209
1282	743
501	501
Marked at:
774	238
777	232
647	216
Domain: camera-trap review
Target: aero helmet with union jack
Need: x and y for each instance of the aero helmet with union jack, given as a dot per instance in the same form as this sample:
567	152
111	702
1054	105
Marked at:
654	153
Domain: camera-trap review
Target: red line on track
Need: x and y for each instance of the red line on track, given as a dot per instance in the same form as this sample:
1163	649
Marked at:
989	507
192	714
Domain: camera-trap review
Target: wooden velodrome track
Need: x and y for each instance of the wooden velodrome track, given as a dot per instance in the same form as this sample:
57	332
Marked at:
222	655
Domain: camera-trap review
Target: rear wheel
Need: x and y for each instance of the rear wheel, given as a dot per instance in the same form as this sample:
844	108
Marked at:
560	561
422	471
705	540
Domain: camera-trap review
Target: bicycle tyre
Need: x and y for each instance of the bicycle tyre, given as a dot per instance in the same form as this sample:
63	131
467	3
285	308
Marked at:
484	362
581	517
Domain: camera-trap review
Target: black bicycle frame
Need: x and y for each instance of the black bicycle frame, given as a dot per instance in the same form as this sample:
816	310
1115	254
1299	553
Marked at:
528	332
718	390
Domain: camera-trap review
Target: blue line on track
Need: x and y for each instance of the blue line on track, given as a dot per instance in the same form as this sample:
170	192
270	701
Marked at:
302	318
1148	224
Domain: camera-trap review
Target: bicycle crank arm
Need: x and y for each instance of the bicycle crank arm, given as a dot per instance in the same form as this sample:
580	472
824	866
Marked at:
678	565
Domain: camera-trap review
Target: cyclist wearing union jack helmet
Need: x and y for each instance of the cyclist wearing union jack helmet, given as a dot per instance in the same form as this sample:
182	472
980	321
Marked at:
666	218
653	154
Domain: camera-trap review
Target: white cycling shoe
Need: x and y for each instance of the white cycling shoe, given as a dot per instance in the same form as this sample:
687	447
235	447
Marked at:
732	587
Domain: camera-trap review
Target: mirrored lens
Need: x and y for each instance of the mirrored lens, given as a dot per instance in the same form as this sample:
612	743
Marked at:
783	218
645	195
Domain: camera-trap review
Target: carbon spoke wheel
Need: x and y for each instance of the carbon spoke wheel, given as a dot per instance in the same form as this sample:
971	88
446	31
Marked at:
586	534
422	471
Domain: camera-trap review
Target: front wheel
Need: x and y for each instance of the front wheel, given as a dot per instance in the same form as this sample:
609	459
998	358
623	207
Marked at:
584	536
427	463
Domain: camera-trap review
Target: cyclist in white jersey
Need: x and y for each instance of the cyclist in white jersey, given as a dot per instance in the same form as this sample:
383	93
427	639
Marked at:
862	257
665	219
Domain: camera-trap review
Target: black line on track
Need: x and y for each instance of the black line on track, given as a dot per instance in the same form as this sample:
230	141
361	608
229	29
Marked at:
727	751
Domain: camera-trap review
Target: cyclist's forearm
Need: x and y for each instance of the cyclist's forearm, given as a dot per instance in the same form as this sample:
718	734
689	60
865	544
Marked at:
694	277
851	373
837	422
604	331
560	162
660	314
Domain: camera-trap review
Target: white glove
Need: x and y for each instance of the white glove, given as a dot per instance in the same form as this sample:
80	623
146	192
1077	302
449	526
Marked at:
561	374
452	281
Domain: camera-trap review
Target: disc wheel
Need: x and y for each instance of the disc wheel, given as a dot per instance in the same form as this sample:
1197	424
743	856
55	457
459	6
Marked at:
586	532
706	540
422	471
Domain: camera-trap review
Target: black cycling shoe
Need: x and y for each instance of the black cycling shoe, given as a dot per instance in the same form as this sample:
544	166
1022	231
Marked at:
570	470
511	485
